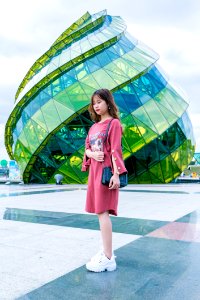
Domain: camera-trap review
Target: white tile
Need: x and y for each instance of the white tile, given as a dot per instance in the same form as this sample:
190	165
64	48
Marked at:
45	257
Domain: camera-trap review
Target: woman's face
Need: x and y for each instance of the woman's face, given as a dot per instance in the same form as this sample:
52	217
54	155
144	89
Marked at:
99	105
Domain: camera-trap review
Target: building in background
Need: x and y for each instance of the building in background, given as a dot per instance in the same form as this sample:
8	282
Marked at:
9	171
47	128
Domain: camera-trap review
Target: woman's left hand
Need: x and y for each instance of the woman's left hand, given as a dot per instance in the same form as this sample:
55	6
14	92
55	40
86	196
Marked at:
114	182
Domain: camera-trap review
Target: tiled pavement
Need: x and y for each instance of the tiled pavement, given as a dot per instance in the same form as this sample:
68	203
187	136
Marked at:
46	238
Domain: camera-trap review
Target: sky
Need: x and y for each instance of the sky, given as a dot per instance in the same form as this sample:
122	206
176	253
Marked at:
170	27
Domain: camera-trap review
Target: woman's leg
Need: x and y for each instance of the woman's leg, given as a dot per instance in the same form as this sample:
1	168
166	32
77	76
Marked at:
106	233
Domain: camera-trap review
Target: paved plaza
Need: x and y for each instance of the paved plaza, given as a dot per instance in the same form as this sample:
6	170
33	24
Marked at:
46	238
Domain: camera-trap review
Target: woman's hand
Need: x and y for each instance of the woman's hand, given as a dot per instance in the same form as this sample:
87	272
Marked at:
98	155
114	182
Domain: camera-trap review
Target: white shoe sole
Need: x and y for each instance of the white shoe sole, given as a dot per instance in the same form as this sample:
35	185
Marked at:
109	269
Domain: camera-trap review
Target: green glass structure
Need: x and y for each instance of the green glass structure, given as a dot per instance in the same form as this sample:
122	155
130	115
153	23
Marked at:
46	130
197	157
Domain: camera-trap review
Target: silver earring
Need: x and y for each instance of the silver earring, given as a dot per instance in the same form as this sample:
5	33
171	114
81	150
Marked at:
108	107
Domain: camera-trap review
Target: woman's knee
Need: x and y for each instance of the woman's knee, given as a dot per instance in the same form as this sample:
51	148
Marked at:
104	214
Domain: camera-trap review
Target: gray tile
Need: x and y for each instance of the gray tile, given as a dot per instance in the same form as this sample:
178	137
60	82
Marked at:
147	269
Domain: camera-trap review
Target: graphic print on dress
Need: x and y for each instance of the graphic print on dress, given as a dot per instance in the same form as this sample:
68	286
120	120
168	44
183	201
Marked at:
96	141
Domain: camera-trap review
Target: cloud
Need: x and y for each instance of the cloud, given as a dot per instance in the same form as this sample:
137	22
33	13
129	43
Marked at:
171	28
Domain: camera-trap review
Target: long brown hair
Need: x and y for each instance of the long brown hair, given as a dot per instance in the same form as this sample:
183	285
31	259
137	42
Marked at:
107	96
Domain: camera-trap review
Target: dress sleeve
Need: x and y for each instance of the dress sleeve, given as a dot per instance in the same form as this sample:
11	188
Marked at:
86	160
114	139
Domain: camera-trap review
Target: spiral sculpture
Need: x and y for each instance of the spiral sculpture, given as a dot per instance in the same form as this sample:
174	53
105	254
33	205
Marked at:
46	130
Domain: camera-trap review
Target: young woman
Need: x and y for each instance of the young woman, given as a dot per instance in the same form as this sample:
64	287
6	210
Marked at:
102	199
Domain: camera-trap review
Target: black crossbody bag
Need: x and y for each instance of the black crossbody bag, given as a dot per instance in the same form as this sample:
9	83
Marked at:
107	171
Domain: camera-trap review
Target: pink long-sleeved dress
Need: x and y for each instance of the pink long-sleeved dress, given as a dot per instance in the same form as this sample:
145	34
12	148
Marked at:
99	198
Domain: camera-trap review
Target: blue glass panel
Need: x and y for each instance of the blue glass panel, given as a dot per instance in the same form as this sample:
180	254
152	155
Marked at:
19	126
156	74
68	80
92	67
119	50
112	55
32	107
119	100
186	125
103	59
42	98
108	20
126	43
25	118
131	101
142	94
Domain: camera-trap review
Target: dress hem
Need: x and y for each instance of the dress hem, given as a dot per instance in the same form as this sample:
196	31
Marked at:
111	212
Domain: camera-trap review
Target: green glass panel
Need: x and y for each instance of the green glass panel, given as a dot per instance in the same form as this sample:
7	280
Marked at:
145	54
40	132
131	58
167	169
176	158
69	172
178	99
88	91
115	71
156	116
38	118
157	172
126	149
184	156
176	108
24	140
64	99
117	78
90	81
133	181
22	162
126	67
55	87
132	134
144	178
124	142
147	134
75	89
80	71
141	115
63	111
75	159
22	154
103	79
176	170
160	98
31	136
51	116
155	179
169	116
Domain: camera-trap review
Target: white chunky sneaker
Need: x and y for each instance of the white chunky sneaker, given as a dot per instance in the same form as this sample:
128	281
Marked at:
101	263
97	255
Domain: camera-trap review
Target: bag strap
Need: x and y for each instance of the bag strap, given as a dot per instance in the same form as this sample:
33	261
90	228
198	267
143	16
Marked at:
107	129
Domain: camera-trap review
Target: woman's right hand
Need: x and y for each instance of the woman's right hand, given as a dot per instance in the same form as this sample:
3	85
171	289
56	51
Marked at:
98	155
